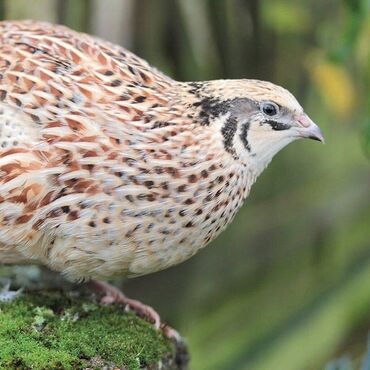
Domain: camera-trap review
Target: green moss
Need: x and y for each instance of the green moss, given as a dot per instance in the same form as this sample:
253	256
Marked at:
55	331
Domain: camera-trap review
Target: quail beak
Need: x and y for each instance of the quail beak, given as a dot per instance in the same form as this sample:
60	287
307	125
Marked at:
306	128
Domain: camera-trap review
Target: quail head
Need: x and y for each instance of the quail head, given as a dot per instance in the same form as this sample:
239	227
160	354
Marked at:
109	167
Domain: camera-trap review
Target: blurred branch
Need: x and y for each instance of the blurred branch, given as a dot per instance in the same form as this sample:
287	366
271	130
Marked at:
155	34
75	14
2	9
112	20
200	37
37	9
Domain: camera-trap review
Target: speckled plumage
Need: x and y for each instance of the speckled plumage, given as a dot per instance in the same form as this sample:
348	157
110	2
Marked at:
110	167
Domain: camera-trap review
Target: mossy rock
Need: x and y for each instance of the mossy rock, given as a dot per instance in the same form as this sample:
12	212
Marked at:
55	330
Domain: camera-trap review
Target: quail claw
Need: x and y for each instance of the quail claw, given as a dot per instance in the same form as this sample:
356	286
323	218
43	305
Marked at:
171	333
110	294
7	295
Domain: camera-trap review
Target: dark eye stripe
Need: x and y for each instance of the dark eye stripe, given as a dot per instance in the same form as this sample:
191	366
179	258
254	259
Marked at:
277	126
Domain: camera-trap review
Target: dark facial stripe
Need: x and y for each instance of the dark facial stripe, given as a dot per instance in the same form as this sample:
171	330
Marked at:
277	126
244	136
228	131
211	108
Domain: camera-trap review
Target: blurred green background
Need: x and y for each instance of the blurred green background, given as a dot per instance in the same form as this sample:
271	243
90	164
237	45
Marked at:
287	286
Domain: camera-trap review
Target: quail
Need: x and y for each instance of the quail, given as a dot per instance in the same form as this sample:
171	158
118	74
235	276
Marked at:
109	167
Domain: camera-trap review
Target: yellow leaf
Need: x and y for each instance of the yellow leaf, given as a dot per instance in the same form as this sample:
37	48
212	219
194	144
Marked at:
335	86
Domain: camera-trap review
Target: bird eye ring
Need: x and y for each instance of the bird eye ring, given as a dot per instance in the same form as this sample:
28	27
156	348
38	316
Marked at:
270	109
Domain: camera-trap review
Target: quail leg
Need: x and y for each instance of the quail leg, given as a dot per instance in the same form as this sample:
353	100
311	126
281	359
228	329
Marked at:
7	295
110	294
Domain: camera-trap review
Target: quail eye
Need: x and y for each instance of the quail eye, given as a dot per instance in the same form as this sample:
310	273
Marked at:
270	109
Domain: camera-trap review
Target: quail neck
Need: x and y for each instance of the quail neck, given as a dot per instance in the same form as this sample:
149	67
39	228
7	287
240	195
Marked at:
110	167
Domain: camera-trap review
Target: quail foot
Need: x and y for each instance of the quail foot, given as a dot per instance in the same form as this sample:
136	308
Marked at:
109	167
7	295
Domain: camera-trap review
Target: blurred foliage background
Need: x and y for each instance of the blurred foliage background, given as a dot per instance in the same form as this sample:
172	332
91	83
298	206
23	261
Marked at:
287	285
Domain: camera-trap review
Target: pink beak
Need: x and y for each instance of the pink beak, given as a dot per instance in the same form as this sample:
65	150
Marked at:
308	129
